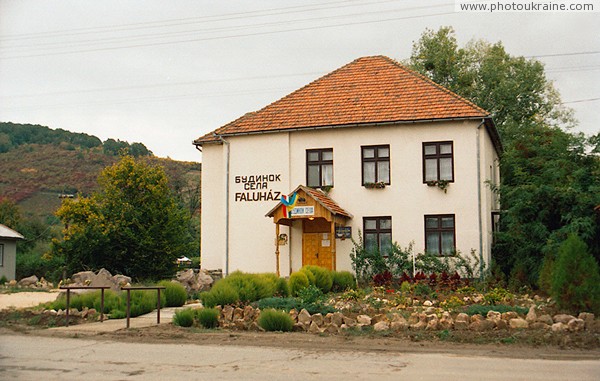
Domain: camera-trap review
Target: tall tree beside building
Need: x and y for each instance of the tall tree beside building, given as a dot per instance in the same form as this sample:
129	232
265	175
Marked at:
550	176
133	225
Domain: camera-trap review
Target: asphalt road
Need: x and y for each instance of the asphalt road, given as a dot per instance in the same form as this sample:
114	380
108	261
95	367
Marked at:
25	357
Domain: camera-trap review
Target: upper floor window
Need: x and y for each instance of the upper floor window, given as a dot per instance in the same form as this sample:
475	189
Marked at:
378	234
438	161
319	167
440	234
376	164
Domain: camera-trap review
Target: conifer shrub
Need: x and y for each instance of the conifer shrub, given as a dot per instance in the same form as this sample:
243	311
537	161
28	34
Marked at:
576	277
282	289
545	278
245	287
323	279
184	318
342	281
298	281
309	275
207	317
285	304
274	320
141	302
174	292
221	294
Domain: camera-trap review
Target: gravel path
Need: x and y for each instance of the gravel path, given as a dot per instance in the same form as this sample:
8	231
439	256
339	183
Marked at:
26	299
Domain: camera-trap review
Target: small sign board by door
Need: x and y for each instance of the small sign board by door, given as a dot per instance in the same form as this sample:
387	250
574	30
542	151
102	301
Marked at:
303	211
343	232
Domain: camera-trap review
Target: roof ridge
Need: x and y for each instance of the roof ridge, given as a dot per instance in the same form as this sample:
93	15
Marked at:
444	89
369	89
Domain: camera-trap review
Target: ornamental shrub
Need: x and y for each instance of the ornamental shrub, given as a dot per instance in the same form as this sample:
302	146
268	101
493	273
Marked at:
323	279
244	288
285	304
298	281
309	275
184	318
221	294
342	281
207	317
175	293
274	320
575	278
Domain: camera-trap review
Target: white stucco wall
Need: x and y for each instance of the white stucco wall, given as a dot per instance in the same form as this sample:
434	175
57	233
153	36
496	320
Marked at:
407	199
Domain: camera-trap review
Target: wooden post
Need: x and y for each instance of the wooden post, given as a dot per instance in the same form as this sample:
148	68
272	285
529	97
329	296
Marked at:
68	305
277	248
128	306
102	306
333	252
158	307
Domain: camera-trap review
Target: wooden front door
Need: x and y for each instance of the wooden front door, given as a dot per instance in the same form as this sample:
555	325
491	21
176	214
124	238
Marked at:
316	250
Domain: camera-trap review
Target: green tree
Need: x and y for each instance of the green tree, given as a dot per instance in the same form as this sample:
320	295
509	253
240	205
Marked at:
10	214
133	225
550	176
575	277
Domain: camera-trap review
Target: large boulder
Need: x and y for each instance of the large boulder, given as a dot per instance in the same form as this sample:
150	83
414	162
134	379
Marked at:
29	281
104	279
82	278
194	282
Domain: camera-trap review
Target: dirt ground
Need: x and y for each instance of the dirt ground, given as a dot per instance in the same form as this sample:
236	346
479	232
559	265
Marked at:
532	344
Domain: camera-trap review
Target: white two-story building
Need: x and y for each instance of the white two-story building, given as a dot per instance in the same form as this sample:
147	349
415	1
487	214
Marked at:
371	147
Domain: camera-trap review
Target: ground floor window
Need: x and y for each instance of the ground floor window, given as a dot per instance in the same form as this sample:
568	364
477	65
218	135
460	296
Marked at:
1	255
378	234
440	234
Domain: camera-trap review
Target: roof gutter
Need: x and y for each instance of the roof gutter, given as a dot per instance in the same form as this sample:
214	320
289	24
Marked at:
479	201
228	159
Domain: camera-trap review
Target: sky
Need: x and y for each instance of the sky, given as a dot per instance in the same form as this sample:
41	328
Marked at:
164	73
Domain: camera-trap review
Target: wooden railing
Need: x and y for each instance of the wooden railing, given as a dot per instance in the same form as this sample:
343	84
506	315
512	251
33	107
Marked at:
69	288
128	289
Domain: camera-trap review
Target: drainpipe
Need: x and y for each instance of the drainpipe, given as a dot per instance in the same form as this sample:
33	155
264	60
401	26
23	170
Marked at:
479	206
226	143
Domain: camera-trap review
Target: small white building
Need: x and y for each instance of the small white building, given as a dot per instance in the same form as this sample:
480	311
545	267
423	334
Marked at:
8	251
371	147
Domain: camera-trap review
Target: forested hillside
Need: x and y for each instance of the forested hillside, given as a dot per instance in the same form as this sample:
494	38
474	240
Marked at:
39	164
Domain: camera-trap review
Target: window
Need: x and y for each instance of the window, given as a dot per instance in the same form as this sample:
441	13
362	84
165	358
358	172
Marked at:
438	161
319	167
1	255
378	234
376	164
440	234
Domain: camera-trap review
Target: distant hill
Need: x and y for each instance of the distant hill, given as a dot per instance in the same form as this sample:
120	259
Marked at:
39	164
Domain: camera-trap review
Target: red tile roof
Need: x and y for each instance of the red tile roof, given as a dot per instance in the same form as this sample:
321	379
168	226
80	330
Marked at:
368	90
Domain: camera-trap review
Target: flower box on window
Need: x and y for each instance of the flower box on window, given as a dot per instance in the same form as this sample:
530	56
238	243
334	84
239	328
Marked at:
378	185
442	184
